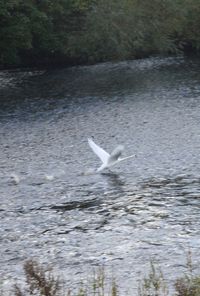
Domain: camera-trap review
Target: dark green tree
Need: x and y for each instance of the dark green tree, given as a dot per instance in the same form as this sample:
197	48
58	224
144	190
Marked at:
48	31
14	31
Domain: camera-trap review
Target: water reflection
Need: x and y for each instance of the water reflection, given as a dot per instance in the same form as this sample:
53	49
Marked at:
115	177
115	181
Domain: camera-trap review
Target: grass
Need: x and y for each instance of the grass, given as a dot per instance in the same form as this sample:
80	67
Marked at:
189	284
154	284
42	281
38	281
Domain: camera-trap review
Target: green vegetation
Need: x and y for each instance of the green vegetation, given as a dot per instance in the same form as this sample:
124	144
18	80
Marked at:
34	32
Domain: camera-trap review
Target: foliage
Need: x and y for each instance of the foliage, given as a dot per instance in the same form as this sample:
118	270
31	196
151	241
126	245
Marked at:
14	31
154	284
125	29
189	26
189	284
35	29
47	31
41	280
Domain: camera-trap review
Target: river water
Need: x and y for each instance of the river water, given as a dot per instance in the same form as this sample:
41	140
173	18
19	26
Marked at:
146	208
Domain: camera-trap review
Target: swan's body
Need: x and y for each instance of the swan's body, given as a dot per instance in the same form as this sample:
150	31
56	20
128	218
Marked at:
107	159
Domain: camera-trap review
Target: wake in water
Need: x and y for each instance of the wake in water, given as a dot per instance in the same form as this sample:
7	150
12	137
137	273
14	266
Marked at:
33	180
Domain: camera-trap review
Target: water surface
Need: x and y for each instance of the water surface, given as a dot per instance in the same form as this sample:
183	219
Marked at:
147	207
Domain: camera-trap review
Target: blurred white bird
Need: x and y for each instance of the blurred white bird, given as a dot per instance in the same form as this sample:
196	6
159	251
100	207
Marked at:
15	178
107	159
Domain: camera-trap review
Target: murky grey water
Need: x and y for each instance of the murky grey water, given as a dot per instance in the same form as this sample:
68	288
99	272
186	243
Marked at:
147	207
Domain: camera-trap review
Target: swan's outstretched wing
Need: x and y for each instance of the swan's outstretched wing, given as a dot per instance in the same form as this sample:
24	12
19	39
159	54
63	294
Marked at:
116	153
121	159
102	154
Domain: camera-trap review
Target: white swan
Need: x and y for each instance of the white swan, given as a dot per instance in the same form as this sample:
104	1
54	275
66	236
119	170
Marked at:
107	159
